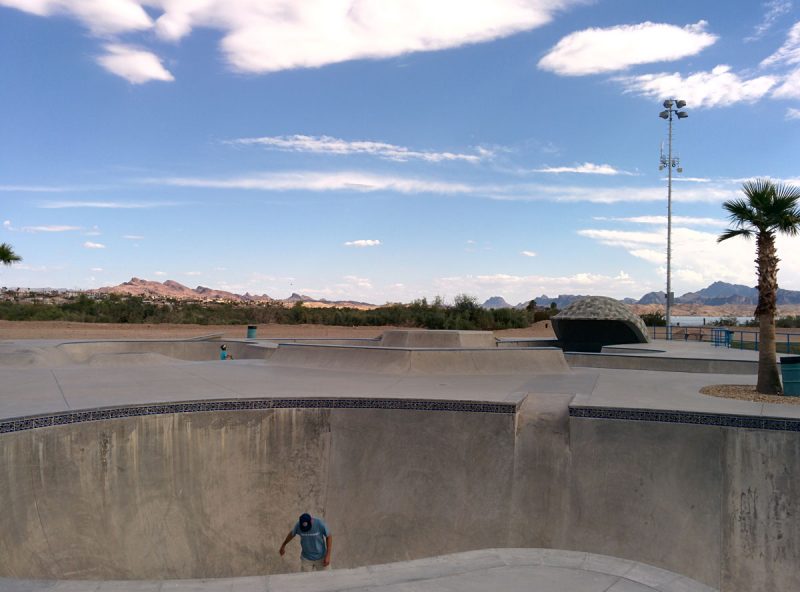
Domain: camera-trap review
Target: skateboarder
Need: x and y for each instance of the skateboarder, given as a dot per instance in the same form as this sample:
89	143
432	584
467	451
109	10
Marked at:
315	543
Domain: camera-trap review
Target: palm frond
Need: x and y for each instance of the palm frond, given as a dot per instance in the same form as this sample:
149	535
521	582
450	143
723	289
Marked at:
7	254
734	232
766	207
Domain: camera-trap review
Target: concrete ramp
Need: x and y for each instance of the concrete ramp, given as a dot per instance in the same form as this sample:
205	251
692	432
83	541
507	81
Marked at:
387	360
125	353
437	339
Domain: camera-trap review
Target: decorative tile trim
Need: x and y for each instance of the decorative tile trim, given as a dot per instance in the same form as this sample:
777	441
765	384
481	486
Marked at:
689	417
49	420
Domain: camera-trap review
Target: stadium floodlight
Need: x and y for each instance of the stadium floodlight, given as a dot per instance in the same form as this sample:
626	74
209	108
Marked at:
669	163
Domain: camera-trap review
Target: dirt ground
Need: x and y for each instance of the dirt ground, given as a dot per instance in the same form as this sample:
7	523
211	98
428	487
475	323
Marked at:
67	330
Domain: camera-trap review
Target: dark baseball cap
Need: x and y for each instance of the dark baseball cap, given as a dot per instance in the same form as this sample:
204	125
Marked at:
305	522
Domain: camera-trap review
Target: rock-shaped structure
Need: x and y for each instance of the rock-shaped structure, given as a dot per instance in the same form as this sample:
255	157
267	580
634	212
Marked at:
595	321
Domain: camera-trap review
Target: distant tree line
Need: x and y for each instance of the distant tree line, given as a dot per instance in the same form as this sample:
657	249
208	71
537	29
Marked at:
465	313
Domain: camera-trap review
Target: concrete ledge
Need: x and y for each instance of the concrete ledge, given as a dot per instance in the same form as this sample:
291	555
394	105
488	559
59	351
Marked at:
429	361
20	424
512	570
396	360
687	417
659	363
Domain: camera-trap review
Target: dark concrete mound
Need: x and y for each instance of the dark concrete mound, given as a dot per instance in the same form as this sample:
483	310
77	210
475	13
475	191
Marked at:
594	322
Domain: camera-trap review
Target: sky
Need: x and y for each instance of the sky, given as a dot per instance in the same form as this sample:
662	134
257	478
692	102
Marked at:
389	150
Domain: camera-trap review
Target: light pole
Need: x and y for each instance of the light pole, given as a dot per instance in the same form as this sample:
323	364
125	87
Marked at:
671	107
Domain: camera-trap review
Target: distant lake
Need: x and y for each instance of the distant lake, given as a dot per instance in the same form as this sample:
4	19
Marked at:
699	321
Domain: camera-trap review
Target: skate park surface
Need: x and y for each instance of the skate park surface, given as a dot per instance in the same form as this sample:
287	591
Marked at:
153	465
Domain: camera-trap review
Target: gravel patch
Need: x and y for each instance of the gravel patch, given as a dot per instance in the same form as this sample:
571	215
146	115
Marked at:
746	392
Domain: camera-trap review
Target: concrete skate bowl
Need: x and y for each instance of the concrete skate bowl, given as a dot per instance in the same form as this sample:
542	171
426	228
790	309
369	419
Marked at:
126	353
209	489
419	361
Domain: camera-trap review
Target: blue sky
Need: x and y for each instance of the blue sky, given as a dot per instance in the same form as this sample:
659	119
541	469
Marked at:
386	150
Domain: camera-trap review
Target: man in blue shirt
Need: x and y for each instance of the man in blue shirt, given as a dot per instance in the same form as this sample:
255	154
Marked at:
315	543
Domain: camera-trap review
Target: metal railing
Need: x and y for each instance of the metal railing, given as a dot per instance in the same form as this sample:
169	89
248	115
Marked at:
785	343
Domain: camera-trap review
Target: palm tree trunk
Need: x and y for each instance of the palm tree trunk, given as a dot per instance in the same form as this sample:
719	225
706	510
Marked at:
769	380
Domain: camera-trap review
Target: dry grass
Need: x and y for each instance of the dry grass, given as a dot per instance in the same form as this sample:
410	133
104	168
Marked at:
746	392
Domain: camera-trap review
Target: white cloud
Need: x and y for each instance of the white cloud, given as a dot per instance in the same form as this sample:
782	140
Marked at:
369	182
329	145
789	52
137	66
91	245
52	228
192	273
528	253
662	220
96	269
594	51
36	229
609	195
34	268
284	34
792	113
587	168
774	9
690	179
132	237
358	282
102	17
160	273
519	288
363	243
110	205
789	87
48	188
624	238
323	181
718	88
697	258
272	35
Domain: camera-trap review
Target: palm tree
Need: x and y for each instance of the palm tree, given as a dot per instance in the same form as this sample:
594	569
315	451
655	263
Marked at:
768	208
7	254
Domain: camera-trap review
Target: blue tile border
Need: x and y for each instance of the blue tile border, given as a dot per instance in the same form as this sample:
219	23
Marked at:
70	417
660	416
688	417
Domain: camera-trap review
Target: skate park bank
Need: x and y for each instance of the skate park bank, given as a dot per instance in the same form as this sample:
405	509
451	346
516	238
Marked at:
126	463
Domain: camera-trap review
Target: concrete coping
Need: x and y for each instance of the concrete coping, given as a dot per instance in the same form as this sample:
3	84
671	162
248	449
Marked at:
104	413
514	570
414	349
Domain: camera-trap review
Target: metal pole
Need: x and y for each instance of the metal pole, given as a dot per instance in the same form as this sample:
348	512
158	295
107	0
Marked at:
669	231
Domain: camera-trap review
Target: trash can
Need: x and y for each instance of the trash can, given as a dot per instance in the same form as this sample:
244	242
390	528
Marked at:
790	372
251	331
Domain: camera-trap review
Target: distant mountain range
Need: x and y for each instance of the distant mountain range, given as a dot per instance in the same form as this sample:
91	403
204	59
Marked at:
717	294
171	289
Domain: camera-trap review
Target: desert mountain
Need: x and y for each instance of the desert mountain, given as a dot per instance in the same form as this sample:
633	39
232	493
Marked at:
496	302
171	289
719	294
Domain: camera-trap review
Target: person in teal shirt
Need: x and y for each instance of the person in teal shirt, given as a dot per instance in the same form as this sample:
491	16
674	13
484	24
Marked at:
315	543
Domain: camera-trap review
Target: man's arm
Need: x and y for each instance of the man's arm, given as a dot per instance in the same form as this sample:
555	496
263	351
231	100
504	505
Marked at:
328	545
288	538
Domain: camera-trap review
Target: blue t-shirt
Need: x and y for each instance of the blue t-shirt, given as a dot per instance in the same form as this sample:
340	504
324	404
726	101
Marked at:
312	542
